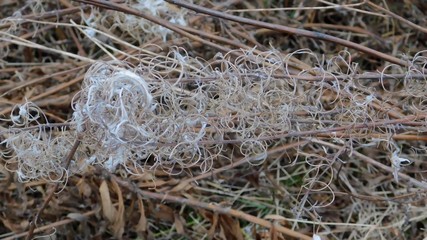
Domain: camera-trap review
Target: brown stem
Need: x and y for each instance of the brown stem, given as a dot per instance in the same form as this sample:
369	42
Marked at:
373	162
322	131
290	30
156	20
209	206
241	161
394	15
46	15
67	161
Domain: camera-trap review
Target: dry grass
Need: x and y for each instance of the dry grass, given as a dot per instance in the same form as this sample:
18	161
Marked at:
249	120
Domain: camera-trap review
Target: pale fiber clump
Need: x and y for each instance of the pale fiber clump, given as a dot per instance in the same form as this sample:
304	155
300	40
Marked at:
126	118
178	112
135	27
37	151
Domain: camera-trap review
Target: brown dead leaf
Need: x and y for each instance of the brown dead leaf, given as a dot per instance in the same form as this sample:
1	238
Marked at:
163	213
119	221
84	188
114	216
15	227
141	226
253	178
107	206
273	233
211	232
179	224
230	227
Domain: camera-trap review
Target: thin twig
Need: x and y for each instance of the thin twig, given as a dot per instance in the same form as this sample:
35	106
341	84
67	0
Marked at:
67	161
209	206
290	30
375	163
159	21
283	148
46	15
395	16
52	225
321	131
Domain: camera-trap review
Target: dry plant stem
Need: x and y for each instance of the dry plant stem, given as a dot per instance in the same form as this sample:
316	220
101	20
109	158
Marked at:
208	206
41	126
367	76
215	37
185	31
387	108
251	8
76	41
52	90
290	30
364	76
47	15
243	33
236	44
395	16
55	89
358	30
7	89
67	161
406	137
217	6
23	42
379	105
350	7
403	198
408	119
28	35
51	226
341	27
49	92
35	183
183	183
375	163
159	21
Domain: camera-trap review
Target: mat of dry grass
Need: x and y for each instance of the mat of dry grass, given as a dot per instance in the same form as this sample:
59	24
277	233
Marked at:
200	119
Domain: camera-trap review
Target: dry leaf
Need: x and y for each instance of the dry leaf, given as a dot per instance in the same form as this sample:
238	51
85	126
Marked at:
84	188
230	227
119	222
107	206
163	213
211	232
179	224
142	223
15	227
77	216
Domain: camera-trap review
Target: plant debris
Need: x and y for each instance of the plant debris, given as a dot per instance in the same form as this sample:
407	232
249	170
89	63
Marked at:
213	119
